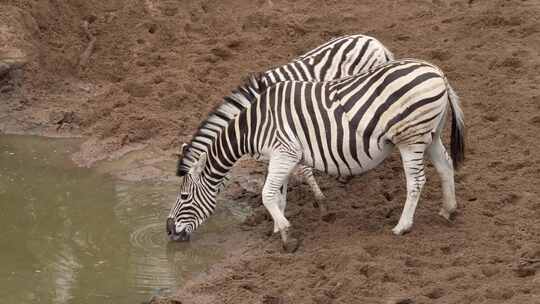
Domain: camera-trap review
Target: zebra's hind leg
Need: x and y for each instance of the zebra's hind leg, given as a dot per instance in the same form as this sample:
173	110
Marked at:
413	163
282	202
443	165
320	198
281	165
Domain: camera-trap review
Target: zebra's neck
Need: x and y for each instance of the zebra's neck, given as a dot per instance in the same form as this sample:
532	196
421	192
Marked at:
228	147
217	121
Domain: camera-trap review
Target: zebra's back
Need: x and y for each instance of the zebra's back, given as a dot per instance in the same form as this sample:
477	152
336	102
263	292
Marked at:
340	57
349	126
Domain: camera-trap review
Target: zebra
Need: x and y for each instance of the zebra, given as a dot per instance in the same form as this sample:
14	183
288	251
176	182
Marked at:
340	57
343	127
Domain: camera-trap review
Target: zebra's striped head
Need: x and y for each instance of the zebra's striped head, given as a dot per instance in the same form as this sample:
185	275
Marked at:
197	197
194	203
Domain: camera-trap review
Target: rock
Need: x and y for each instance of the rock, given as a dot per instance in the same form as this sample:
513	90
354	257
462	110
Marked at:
329	217
440	55
511	62
63	117
234	43
321	298
248	286
412	262
356	205
403	37
257	21
455	275
56	117
221	52
522	271
535	120
136	89
162	300
6	89
157	79
401	300
268	299
256	218
529	262
170	11
531	252
435	293
489	270
4	68
152	28
372	270
499	293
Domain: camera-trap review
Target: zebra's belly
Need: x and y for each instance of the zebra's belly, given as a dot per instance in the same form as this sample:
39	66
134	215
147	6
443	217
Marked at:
347	165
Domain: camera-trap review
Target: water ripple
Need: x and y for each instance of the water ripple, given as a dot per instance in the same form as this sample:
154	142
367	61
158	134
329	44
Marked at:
149	235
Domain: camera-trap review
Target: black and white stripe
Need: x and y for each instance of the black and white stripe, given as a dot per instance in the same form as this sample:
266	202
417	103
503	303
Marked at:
340	57
343	127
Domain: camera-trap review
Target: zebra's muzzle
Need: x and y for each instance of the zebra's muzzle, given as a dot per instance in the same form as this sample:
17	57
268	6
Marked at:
173	234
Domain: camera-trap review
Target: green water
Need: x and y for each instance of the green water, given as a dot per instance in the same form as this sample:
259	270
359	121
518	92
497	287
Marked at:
73	235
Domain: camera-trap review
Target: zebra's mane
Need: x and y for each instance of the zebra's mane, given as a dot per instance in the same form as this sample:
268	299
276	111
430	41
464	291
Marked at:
218	119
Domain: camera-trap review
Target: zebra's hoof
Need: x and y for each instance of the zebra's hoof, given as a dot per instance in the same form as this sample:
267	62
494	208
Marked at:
402	229
447	215
291	245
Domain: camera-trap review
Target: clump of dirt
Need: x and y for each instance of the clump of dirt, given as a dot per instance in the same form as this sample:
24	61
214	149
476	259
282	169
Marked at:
17	36
156	67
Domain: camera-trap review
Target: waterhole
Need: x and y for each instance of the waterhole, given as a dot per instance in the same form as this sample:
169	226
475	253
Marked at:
75	235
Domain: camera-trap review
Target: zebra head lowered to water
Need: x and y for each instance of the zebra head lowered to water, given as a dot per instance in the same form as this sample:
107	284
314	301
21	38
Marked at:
340	57
343	127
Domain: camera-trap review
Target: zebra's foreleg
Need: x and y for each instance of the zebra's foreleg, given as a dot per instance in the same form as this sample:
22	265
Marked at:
413	163
320	198
280	167
443	165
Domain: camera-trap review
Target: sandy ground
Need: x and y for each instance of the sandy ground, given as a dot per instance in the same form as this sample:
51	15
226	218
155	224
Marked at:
155	67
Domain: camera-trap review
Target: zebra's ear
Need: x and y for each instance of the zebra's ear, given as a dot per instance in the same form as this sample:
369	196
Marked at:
198	167
180	171
183	151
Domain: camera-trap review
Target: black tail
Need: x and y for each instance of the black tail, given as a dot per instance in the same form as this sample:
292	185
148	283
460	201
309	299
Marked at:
457	139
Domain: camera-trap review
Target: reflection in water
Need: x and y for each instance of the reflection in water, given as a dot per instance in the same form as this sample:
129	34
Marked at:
72	235
64	274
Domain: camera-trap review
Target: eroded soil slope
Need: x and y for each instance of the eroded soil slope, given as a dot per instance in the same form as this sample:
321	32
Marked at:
158	66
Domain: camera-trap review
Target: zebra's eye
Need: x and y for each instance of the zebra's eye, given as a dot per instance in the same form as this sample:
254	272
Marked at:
184	196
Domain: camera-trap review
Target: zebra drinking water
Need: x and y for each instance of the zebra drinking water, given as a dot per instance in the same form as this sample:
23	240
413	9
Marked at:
343	127
339	57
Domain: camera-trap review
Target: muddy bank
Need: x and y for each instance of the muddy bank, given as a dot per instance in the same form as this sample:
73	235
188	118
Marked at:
158	66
